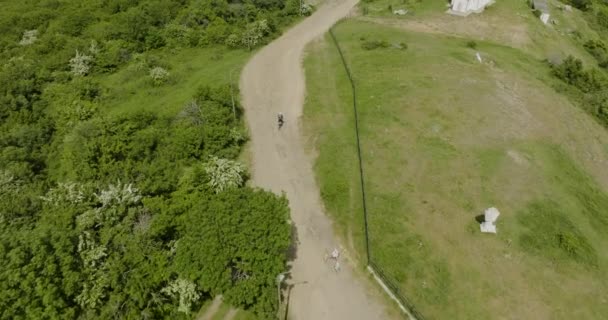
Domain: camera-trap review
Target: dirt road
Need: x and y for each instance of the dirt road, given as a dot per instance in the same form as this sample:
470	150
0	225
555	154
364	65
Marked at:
272	82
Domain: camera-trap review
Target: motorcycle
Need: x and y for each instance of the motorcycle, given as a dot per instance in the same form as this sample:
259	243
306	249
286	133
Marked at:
280	120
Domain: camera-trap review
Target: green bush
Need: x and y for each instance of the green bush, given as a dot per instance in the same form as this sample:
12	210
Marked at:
472	44
159	75
598	50
602	16
582	4
307	9
112	54
590	85
572	72
154	39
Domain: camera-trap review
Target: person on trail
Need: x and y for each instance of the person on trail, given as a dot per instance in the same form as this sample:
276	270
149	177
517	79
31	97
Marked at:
280	119
335	254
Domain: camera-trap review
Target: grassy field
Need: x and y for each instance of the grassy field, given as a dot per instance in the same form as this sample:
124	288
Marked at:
509	23
189	69
385	8
445	137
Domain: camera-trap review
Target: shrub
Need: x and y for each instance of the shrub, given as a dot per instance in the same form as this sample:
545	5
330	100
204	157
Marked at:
602	17
80	64
224	174
472	44
572	72
374	44
217	31
591	83
233	41
191	113
111	55
184	291
597	104
254	33
598	50
592	45
307	9
154	40
94	48
159	75
601	111
176	35
537	13
581	4
29	37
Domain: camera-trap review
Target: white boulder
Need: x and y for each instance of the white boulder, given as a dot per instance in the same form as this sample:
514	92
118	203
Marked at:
490	217
466	7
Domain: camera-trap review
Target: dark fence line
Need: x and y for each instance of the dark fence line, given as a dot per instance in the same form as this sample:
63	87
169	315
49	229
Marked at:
352	84
394	287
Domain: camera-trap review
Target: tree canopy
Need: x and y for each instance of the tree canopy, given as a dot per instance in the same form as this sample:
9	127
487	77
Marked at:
135	214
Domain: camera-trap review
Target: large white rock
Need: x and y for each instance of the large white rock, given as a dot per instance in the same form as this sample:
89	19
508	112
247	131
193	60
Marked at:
487	227
544	17
490	216
466	7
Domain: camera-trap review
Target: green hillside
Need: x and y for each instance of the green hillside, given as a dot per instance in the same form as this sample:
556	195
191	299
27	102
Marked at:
444	137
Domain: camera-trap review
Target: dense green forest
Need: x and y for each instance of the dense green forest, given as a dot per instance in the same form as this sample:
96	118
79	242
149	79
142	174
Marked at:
136	214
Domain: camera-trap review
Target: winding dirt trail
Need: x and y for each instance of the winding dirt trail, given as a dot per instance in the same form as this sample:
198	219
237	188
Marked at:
272	82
